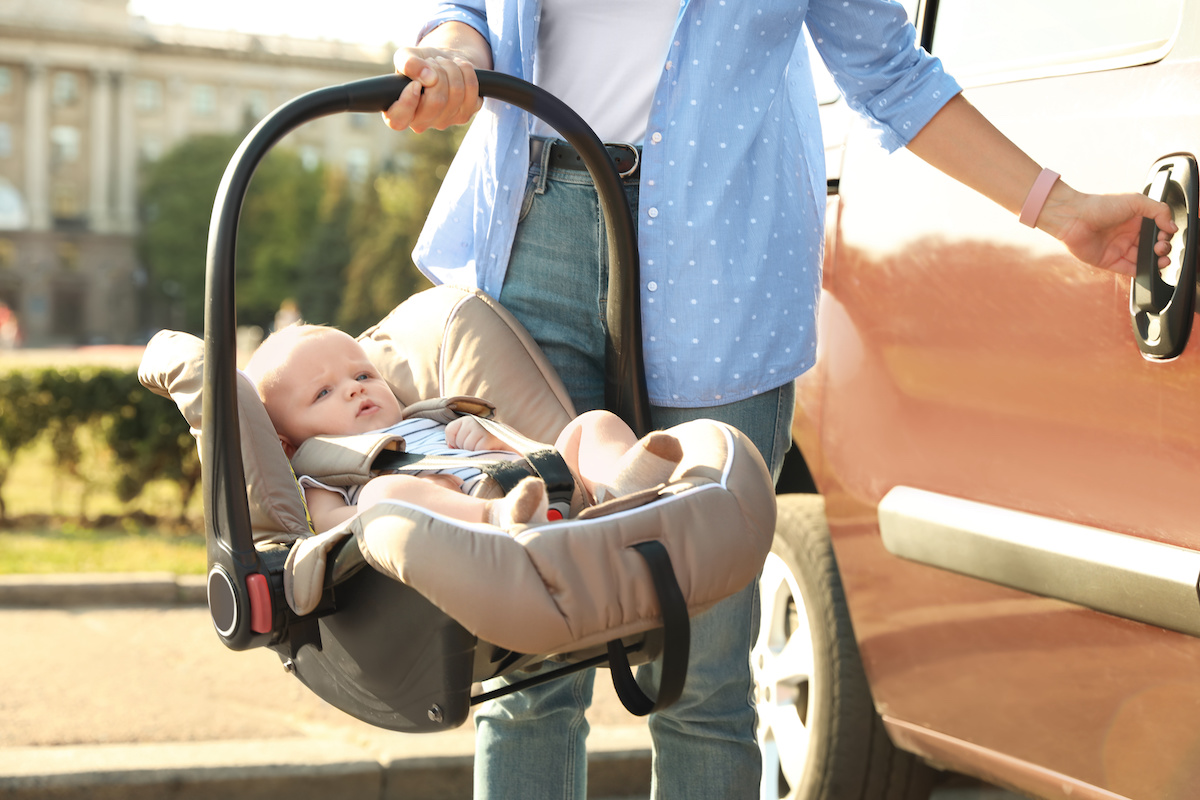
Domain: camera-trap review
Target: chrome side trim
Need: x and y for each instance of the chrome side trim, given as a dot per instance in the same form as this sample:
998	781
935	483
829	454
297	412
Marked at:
1111	572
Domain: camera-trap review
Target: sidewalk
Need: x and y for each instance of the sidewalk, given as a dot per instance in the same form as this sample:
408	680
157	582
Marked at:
117	687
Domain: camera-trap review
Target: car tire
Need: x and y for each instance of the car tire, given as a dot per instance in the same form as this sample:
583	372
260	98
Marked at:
818	728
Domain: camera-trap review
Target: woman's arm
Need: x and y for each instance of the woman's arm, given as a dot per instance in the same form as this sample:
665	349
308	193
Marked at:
444	89
1101	230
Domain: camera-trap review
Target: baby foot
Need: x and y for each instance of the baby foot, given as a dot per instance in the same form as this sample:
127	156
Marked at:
648	463
525	505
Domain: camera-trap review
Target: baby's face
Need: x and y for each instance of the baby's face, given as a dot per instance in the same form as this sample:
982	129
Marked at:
327	386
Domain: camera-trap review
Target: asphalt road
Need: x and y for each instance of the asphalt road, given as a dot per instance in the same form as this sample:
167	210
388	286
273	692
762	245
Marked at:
78	676
98	682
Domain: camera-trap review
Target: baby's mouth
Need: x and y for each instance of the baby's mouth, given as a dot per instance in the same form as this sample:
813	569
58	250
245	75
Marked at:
367	407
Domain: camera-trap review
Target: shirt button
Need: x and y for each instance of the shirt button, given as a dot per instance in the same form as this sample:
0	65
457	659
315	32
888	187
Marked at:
669	65
656	137
652	213
652	286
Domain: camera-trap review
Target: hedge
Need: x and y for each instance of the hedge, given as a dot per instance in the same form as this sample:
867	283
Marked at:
145	433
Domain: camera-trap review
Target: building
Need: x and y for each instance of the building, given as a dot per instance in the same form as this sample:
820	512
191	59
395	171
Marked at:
88	94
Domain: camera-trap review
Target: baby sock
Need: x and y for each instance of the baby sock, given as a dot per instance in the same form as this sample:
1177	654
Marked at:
526	504
648	463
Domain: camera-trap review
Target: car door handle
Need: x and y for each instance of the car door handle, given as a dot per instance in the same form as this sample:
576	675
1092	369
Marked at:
1162	311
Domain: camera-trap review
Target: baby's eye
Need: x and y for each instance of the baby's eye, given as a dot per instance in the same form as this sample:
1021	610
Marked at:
363	376
321	394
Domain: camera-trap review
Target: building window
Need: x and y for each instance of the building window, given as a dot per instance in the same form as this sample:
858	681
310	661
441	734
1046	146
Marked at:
65	202
64	144
68	256
6	81
358	161
66	89
67	308
204	100
6	140
149	95
256	104
310	157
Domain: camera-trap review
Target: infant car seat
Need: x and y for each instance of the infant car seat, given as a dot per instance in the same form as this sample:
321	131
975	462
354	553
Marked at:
414	608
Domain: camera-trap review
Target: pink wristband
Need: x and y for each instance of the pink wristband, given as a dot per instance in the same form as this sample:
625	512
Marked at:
1037	197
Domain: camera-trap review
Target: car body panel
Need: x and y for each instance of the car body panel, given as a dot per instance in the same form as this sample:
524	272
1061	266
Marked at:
966	355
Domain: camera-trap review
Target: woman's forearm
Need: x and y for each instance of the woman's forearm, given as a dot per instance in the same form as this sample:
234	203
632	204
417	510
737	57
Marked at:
963	144
461	39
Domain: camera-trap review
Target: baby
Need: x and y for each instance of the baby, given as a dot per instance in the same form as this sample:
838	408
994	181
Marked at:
316	380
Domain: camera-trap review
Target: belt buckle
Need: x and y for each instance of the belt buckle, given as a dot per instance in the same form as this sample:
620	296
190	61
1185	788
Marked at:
637	157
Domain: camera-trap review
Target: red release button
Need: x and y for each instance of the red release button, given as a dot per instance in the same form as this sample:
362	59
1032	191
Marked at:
260	603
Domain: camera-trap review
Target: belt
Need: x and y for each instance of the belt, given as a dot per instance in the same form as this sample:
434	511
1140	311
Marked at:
627	157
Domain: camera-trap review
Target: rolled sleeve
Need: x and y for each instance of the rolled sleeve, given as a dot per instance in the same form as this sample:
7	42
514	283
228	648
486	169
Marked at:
472	14
871	51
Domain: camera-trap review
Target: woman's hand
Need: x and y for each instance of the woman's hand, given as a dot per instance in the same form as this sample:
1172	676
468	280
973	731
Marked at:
1103	229
444	89
466	433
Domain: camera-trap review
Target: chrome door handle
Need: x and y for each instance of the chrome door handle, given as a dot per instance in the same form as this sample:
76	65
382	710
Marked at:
1161	311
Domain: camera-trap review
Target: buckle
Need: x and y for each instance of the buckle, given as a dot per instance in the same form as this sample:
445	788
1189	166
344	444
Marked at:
637	157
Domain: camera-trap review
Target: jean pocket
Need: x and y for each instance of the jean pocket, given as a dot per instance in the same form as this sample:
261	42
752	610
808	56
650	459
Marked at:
527	200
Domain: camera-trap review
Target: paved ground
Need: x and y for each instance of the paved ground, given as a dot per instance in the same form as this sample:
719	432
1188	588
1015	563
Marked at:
139	675
110	701
144	701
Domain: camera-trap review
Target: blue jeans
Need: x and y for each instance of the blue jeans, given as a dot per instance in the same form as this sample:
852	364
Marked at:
531	744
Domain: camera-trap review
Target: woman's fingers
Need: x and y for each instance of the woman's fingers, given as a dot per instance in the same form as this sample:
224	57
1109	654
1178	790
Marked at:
444	91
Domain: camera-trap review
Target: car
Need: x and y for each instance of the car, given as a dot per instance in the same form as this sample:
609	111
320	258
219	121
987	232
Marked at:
988	548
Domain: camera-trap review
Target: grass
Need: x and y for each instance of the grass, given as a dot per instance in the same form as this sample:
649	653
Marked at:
74	549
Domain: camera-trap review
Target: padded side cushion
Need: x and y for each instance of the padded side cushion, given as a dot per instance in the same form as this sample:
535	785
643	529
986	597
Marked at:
173	366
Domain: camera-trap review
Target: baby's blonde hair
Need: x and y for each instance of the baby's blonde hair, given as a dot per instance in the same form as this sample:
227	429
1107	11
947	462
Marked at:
265	364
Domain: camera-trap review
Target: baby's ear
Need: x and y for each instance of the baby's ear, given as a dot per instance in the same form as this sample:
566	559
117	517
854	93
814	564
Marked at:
289	449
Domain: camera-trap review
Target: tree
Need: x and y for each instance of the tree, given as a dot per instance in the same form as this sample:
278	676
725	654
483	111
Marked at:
389	214
323	263
278	216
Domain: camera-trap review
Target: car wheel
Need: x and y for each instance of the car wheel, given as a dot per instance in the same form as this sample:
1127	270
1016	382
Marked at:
820	735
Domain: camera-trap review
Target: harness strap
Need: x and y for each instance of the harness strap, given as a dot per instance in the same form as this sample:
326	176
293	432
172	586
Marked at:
677	638
539	459
546	462
505	472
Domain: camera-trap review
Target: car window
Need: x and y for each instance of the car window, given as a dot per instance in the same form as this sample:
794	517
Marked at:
990	42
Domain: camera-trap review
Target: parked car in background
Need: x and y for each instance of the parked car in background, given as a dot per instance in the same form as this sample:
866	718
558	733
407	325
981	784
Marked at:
995	570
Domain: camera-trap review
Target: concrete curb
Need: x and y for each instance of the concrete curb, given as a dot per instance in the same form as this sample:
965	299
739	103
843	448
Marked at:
102	589
299	769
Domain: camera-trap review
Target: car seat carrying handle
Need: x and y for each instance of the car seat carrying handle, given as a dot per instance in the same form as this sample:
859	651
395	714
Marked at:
244	591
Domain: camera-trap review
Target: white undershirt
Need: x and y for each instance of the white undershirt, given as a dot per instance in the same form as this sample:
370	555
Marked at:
604	59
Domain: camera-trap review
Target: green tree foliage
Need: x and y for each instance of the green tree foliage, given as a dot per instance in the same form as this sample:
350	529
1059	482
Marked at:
388	218
340	249
277	219
323	263
275	232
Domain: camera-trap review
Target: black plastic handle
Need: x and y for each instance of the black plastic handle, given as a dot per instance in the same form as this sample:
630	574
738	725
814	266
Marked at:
1161	312
232	557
